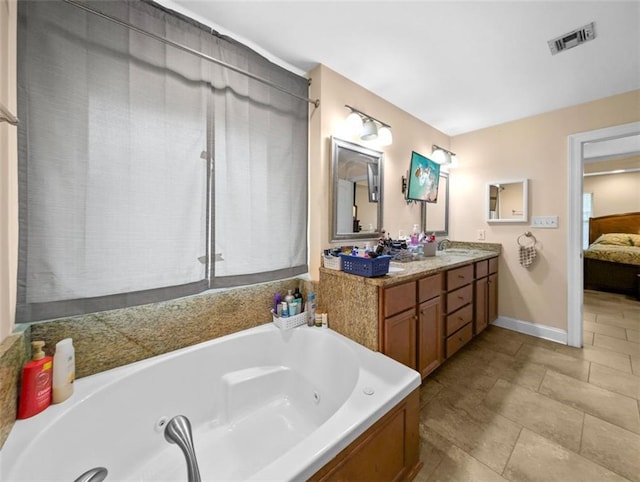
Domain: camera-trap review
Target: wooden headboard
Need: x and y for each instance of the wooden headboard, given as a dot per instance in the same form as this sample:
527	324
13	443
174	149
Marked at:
614	223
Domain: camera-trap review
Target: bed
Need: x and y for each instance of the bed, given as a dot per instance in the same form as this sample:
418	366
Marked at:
612	260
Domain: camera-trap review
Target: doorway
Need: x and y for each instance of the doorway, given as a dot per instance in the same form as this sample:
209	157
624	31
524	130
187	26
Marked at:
574	239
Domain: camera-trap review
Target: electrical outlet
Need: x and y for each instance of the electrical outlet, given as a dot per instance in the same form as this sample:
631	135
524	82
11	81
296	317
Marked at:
480	234
544	221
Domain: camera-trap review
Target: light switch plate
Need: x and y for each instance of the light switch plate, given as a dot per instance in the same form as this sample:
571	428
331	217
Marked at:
544	221
480	235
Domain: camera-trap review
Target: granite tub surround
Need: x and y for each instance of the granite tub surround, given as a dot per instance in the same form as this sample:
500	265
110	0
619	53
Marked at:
358	301
13	355
114	338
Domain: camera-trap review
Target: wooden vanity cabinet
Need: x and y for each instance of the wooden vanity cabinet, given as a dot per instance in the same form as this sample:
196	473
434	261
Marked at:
423	322
430	324
412	325
493	290
459	308
399	323
400	338
485	293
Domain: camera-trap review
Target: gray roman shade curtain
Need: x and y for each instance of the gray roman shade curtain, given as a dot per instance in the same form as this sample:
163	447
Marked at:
140	164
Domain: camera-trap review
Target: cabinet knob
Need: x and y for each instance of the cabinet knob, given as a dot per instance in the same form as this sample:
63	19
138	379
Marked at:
461	297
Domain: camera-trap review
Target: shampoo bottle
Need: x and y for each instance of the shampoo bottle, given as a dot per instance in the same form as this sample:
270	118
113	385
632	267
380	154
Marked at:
35	392
64	370
311	309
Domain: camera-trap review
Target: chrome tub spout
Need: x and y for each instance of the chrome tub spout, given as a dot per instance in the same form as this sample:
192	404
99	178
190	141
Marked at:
178	431
97	474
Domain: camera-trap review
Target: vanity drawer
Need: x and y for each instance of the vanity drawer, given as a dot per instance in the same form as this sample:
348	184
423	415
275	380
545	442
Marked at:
458	298
482	268
459	339
457	320
429	287
459	277
399	298
493	265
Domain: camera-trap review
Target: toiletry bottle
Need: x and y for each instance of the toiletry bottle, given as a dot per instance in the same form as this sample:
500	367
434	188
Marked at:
414	235
289	297
35	392
284	312
311	309
277	299
297	295
64	370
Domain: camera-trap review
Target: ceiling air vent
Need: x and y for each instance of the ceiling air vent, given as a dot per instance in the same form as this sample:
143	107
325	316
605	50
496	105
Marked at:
573	38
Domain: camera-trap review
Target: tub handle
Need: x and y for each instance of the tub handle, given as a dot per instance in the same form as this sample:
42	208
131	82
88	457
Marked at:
97	474
178	431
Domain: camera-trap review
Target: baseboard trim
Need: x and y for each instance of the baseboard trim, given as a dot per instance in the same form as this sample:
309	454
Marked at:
534	329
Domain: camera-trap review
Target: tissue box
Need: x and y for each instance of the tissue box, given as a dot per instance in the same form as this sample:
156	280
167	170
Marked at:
429	249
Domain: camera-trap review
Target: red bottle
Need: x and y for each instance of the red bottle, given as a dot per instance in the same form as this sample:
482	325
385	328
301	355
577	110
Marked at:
35	393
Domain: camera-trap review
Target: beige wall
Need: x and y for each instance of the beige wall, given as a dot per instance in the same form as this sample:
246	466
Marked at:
533	148
8	169
614	193
409	133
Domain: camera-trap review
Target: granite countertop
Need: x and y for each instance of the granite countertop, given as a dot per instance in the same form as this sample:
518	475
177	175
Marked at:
457	254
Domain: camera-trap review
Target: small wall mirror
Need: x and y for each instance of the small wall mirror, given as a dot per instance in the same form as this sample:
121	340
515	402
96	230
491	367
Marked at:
356	201
435	216
507	201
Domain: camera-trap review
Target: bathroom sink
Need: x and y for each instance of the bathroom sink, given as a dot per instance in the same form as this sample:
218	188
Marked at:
453	258
456	251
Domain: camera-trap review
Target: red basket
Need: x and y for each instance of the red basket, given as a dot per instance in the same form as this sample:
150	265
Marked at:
367	267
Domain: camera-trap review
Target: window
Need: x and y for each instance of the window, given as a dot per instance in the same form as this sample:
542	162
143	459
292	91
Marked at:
147	173
587	212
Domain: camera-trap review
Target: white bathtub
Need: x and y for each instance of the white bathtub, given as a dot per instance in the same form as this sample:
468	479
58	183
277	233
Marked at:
264	404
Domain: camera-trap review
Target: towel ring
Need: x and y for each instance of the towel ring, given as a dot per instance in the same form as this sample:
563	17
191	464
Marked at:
528	235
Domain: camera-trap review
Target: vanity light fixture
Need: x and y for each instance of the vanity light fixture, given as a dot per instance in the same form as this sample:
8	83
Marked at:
369	128
443	156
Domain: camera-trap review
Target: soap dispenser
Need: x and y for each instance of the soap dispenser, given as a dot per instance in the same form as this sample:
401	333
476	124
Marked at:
35	391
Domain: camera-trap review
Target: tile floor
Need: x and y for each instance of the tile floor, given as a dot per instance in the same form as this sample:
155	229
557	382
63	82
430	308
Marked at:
513	407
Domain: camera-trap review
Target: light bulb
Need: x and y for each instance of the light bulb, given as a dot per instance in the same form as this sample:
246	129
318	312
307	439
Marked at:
439	156
385	138
369	130
354	123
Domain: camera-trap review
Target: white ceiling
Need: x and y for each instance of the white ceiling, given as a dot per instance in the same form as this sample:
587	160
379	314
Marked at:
458	66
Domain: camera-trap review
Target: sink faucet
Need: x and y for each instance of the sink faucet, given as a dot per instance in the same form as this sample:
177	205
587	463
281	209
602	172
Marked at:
442	244
97	474
178	431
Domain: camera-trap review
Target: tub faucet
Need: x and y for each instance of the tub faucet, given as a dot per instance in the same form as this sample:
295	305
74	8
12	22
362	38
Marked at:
97	474
442	244
178	431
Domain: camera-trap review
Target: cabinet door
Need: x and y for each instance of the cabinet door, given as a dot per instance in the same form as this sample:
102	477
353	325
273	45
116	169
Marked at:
481	305
493	297
430	336
400	338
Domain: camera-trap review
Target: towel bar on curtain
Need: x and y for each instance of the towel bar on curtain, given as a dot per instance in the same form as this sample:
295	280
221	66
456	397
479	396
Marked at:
527	252
315	102
6	116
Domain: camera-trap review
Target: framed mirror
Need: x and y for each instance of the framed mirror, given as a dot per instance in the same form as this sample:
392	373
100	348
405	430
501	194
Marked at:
506	201
357	197
435	216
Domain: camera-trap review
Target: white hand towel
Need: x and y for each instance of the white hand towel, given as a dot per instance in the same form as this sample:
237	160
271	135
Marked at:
527	255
